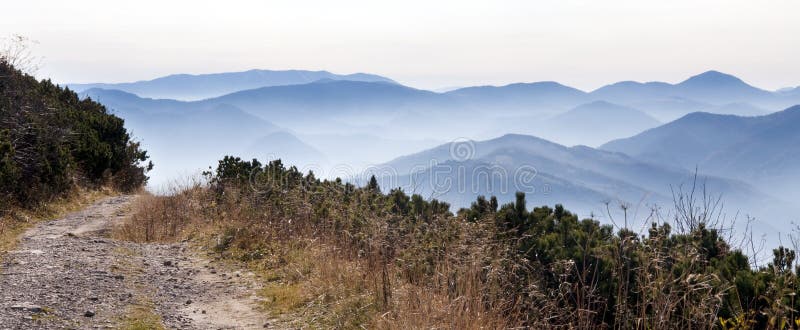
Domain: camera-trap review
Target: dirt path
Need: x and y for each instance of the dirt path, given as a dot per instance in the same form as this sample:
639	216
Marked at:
67	273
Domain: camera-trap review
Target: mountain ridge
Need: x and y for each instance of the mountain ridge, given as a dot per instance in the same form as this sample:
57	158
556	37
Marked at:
761	149
207	85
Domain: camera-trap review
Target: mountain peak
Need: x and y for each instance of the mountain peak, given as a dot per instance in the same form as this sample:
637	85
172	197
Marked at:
712	77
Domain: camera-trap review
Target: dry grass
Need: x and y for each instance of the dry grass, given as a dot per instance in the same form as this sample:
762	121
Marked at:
335	256
140	313
141	317
312	286
329	264
15	221
162	218
313	278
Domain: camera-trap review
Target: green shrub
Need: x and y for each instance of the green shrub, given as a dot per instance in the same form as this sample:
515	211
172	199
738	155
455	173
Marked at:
50	140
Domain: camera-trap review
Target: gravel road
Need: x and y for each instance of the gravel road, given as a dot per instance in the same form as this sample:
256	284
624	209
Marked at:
68	274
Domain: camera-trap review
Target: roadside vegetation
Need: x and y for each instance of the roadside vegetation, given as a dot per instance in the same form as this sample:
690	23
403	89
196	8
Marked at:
57	152
333	255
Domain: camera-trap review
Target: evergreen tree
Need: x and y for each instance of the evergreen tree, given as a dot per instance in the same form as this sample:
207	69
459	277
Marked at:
373	184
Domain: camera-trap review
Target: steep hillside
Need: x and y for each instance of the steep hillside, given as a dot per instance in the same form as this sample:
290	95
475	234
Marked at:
51	141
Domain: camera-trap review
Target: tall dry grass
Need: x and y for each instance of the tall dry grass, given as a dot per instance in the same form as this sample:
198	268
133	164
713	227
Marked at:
163	218
322	276
354	258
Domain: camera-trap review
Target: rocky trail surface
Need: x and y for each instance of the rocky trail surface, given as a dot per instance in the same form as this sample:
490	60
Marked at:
68	274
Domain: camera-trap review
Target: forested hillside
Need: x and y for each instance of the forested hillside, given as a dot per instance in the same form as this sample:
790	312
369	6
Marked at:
51	141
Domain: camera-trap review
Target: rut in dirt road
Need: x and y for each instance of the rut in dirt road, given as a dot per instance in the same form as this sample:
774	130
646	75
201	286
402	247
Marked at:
67	274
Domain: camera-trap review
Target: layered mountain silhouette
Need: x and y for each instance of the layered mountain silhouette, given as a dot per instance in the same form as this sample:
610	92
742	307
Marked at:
718	87
711	91
597	122
340	99
522	98
370	104
709	87
360	150
582	178
370	119
183	139
202	86
763	150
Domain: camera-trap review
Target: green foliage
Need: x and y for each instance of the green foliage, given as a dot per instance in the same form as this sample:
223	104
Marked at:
373	184
542	267
51	140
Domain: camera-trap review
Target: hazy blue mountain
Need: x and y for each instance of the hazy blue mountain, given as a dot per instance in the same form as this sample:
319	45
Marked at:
579	176
353	102
186	137
209	128
358	150
123	103
794	92
596	123
739	109
400	112
543	97
201	86
711	91
331	103
711	87
589	124
764	150
669	109
388	111
717	87
627	92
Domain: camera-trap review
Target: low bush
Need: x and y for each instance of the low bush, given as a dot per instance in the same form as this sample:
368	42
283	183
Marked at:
336	255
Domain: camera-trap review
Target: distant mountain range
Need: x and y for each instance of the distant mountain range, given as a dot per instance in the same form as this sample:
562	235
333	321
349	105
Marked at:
522	98
318	117
202	86
763	150
709	87
583	179
356	101
374	104
710	91
183	139
716	124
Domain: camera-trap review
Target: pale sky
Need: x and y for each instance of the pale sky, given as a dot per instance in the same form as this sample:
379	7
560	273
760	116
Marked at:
425	44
